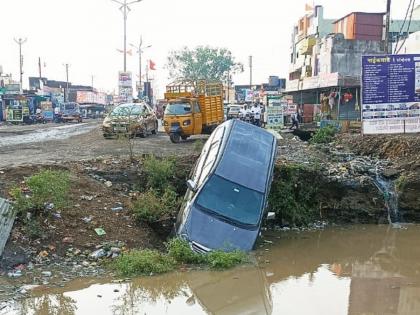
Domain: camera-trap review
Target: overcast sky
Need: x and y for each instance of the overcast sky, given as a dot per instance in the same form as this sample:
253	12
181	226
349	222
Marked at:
87	33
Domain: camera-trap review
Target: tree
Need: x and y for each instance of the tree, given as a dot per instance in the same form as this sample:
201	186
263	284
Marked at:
202	63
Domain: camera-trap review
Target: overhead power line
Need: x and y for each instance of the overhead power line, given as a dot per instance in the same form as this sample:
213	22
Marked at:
408	28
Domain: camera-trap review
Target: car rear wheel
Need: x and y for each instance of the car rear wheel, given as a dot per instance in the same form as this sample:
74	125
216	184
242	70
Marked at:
154	131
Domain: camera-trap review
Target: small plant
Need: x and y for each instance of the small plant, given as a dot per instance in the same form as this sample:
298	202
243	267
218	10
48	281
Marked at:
33	229
225	260
152	206
144	262
181	251
324	135
45	187
198	145
400	183
159	172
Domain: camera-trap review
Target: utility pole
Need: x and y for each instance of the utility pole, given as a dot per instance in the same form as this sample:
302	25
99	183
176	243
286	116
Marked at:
125	9
387	22
250	72
66	93
39	68
140	50
20	42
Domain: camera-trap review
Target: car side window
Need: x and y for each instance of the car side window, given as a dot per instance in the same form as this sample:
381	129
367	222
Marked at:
200	163
211	157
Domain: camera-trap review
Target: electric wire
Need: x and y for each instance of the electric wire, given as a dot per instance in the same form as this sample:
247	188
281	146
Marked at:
400	33
408	28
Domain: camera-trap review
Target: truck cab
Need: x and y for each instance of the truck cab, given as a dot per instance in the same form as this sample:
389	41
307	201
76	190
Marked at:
192	109
182	118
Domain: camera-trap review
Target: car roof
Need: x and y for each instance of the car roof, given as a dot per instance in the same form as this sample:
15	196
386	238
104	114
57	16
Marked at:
248	156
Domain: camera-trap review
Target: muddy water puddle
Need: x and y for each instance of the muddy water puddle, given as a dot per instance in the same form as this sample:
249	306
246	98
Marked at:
352	270
41	135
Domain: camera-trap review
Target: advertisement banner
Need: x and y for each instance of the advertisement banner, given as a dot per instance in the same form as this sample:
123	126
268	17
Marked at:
275	118
391	94
126	94
124	79
249	95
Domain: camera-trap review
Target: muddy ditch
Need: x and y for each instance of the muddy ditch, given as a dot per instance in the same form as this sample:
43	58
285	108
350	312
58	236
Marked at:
335	186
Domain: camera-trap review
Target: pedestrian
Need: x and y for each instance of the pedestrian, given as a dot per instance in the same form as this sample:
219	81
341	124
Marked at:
300	115
295	121
256	112
243	112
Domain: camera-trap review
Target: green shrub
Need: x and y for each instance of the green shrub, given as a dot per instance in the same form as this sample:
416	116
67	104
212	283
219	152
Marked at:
144	262
159	172
225	260
324	135
400	183
293	194
44	187
181	251
153	206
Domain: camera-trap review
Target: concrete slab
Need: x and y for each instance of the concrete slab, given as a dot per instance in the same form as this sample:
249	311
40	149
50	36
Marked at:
7	218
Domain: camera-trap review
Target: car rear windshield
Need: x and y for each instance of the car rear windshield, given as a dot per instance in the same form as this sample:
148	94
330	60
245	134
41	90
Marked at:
69	106
127	110
232	201
178	109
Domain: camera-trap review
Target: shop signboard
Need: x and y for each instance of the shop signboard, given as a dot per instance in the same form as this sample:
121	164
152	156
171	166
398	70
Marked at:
391	94
275	118
125	79
13	89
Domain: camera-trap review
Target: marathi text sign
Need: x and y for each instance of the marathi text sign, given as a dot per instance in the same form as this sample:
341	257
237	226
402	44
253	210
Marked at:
391	94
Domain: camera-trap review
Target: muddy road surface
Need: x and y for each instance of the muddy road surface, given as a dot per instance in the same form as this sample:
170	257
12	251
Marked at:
56	143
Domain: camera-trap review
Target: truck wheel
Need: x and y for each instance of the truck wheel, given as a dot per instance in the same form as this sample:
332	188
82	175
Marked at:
175	137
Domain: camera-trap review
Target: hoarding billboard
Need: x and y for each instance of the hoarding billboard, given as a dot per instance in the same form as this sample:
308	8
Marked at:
124	79
391	94
275	118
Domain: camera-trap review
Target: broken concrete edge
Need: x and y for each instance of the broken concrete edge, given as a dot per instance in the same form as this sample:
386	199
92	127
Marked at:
7	219
275	133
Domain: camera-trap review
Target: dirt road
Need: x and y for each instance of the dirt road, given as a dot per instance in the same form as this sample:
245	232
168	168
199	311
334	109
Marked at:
56	143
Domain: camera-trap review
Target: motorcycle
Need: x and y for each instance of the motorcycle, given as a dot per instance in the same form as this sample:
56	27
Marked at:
37	119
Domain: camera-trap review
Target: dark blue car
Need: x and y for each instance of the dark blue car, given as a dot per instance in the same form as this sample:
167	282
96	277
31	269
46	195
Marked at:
227	195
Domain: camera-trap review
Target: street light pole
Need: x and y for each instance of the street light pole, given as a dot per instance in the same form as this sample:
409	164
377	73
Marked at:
250	72
66	94
125	9
20	42
140	50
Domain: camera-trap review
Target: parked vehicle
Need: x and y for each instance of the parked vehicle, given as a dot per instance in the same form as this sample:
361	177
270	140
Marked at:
233	111
134	119
226	199
70	111
192	109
